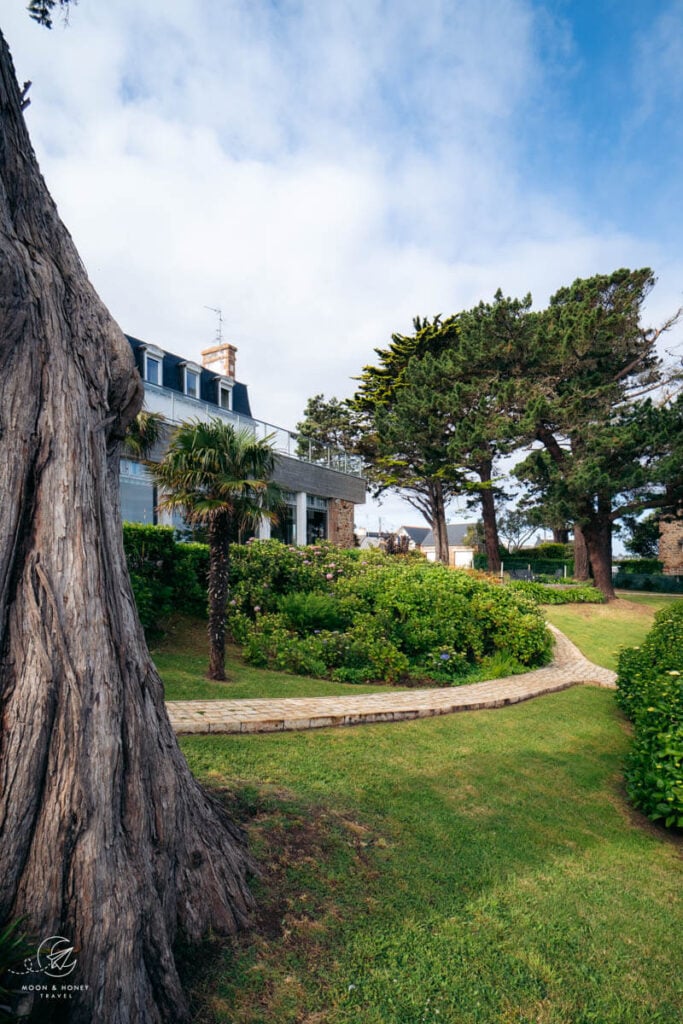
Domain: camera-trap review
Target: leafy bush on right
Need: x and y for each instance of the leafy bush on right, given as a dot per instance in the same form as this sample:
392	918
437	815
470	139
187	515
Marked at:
650	692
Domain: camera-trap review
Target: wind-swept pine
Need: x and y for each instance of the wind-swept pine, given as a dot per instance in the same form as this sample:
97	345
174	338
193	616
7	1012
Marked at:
218	477
438	410
606	409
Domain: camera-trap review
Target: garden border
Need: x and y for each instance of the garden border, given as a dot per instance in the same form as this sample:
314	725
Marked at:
568	668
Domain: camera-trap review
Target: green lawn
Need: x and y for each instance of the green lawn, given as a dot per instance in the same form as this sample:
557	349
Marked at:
600	630
480	868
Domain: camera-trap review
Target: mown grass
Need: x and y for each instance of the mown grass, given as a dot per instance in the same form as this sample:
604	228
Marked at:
479	868
599	631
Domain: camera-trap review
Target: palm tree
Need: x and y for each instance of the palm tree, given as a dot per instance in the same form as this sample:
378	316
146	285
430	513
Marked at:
143	433
219	477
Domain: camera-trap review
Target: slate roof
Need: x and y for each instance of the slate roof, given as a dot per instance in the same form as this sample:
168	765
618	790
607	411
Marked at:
172	378
456	536
416	533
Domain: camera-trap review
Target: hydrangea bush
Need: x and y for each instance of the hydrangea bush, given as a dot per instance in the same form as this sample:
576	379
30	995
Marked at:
358	616
650	692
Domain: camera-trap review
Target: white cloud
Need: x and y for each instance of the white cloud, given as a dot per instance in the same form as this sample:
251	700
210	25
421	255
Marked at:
321	171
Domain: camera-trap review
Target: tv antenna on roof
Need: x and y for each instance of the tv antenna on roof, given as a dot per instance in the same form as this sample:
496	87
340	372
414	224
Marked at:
219	329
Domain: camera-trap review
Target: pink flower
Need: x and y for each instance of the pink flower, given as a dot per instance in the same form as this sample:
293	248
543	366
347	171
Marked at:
257	607
329	576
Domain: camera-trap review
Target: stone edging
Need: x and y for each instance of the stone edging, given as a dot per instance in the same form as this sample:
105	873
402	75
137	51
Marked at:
569	668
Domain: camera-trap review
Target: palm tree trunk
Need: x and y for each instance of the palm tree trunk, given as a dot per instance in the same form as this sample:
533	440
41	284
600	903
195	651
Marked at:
219	568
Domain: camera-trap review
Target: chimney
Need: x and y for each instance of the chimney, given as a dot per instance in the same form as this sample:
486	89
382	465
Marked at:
223	354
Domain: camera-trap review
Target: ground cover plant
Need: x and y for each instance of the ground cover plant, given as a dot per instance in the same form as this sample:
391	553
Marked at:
650	692
343	615
480	868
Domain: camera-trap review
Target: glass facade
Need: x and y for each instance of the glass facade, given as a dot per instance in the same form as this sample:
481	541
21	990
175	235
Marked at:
191	384
316	518
153	370
225	396
285	527
138	493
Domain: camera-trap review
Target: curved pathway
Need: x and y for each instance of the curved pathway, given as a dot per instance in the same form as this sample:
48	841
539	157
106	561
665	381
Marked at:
568	668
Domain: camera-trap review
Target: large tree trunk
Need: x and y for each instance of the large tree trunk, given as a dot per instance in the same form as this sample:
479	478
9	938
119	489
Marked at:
488	514
598	535
581	570
219	567
439	527
105	837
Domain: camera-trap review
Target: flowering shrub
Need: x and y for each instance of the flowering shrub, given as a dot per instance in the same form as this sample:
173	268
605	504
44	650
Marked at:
358	616
650	692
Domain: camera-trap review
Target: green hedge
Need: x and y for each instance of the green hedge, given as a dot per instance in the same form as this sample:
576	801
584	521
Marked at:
358	616
639	565
166	575
650	692
539	566
658	584
574	594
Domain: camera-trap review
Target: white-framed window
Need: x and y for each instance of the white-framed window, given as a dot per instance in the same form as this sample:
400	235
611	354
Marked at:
153	371
225	394
191	378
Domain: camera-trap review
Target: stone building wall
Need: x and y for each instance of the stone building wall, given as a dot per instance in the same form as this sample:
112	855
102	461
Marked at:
671	546
340	522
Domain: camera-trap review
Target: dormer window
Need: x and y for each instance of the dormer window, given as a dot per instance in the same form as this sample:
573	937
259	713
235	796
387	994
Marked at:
191	377
224	394
153	365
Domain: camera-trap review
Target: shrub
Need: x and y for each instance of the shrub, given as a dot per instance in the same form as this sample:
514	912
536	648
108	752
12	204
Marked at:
190	578
16	947
650	691
660	584
360	618
646	566
574	594
307	612
166	576
554	550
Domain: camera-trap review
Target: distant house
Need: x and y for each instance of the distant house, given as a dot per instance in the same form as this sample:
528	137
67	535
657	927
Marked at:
369	539
460	554
319	492
415	535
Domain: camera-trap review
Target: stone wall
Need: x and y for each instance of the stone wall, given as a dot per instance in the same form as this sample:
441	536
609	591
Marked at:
340	522
671	546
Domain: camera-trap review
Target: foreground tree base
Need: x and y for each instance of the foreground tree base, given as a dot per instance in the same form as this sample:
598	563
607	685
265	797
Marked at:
105	837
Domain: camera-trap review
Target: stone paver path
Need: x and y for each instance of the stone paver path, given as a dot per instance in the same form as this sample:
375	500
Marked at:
243	716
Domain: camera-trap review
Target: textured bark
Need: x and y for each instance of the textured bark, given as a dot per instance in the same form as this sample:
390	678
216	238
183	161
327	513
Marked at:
488	514
598	535
219	565
105	837
581	571
438	508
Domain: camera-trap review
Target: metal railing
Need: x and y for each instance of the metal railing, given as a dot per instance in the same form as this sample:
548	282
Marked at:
177	408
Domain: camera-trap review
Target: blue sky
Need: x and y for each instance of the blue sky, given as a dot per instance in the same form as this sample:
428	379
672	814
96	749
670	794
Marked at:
324	170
